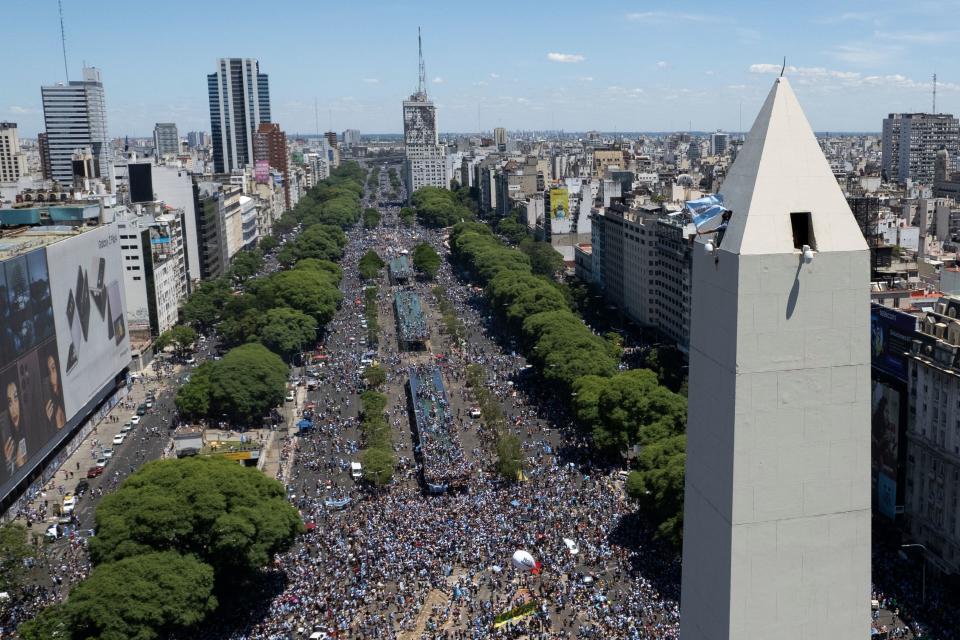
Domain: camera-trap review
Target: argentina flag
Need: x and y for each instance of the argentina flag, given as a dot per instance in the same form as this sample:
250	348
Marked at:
705	209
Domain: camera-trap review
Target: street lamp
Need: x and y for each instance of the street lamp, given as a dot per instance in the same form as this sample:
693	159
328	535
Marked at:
923	583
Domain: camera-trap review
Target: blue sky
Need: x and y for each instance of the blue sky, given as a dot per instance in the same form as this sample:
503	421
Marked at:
624	66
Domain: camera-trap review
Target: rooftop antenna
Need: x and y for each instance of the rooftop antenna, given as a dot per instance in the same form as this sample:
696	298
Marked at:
422	89
63	41
934	94
784	67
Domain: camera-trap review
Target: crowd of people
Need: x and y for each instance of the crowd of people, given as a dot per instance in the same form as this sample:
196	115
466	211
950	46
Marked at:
440	451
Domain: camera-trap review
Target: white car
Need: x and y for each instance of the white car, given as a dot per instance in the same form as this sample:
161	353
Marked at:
69	503
571	546
52	532
108	453
126	428
118	439
134	419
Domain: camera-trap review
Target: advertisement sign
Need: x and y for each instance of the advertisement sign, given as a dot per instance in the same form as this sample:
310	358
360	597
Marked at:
888	417
261	172
559	203
891	332
32	411
90	311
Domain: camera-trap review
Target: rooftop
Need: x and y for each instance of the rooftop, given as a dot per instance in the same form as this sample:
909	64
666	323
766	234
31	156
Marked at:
19	241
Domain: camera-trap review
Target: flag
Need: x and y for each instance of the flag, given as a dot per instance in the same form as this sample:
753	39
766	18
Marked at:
705	209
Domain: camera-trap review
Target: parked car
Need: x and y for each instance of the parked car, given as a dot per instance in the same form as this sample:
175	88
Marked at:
82	487
118	439
95	471
69	503
126	428
107	454
135	419
142	410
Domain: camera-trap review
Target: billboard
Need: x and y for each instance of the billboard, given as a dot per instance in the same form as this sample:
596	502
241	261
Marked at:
559	203
261	172
90	312
32	411
891	333
888	418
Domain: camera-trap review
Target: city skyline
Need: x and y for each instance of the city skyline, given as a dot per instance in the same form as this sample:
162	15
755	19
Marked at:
667	69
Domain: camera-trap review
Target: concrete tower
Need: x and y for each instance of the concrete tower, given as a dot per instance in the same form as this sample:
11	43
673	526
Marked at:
777	514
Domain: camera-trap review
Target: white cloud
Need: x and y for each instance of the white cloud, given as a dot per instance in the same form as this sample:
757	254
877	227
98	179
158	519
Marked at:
565	57
21	110
864	54
662	64
372	80
805	72
438	80
494	75
918	37
850	16
480	83
820	75
585	78
660	17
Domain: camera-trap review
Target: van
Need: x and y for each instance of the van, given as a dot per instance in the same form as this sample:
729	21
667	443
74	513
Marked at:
475	412
356	471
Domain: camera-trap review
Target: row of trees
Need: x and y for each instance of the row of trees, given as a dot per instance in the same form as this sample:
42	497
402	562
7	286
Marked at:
619	409
175	540
378	458
371	218
507	446
394	179
438	207
426	260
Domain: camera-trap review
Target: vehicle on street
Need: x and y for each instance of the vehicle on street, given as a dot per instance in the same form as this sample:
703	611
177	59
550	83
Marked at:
356	470
107	454
475	412
93	472
127	427
135	419
142	410
148	404
82	487
52	532
190	360
290	396
118	439
69	503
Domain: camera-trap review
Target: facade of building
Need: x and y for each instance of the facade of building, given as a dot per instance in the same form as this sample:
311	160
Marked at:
13	163
777	506
210	209
75	117
43	149
197	139
932	504
270	145
166	140
239	101
718	143
425	158
500	139
351	138
910	144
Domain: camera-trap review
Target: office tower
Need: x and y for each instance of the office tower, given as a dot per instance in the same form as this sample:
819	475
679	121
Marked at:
166	141
718	143
331	138
239	101
270	145
776	540
910	143
196	139
500	138
75	116
13	163
351	138
425	158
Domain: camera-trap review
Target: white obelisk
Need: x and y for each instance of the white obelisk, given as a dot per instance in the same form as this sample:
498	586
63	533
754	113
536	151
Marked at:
776	539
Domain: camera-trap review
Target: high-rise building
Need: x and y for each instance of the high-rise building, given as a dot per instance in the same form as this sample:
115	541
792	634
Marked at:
777	502
197	139
43	147
166	140
13	163
75	115
718	143
910	143
239	102
270	145
331	138
500	138
351	138
425	158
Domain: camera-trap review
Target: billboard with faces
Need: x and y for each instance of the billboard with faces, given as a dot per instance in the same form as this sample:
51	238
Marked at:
89	309
32	411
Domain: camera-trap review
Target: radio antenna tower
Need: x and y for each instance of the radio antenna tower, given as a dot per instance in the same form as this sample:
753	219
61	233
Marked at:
422	89
63	42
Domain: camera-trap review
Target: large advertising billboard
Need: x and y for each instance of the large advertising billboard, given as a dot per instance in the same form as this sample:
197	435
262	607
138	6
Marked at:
888	416
559	203
89	309
261	171
891	333
32	411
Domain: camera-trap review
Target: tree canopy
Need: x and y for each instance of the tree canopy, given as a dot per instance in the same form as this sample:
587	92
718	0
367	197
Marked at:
14	550
438	207
426	260
246	264
180	336
369	265
286	331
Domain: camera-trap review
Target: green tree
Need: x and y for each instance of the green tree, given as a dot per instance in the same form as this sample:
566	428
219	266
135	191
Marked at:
268	243
426	260
378	465
371	218
202	309
438	207
193	398
544	259
145	597
246	264
311	291
375	376
286	331
326	266
369	265
182	337
509	456
247	383
658	485
231	517
14	550
407	216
